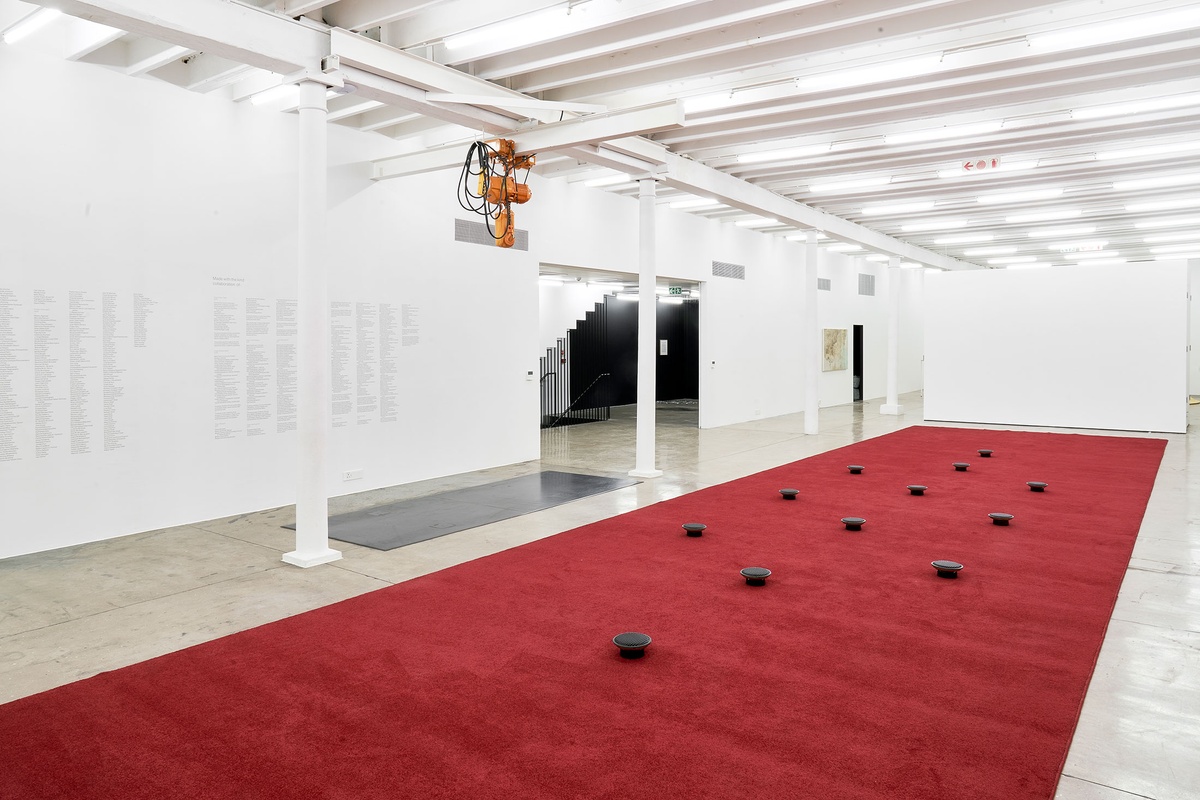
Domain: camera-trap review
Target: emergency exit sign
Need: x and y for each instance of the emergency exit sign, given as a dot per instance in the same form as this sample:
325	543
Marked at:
981	164
674	290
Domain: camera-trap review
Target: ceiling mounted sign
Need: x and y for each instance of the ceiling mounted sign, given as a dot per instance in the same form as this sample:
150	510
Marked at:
981	164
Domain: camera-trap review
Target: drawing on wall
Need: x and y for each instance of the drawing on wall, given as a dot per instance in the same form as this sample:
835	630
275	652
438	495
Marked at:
834	353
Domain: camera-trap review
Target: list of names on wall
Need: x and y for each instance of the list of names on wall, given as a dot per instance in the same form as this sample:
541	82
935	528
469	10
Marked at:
285	365
67	368
363	347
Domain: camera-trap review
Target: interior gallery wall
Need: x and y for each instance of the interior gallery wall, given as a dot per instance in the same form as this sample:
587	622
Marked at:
147	293
1081	347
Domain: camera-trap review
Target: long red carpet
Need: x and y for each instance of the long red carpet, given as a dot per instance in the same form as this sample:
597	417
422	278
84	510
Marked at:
854	673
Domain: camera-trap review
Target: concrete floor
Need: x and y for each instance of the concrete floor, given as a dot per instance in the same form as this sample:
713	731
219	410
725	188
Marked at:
71	613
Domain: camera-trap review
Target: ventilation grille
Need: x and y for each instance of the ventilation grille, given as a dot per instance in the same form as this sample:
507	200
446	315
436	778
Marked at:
825	284
866	284
466	230
723	269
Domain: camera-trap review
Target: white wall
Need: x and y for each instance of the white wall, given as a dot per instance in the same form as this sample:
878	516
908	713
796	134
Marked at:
168	209
131	191
1085	347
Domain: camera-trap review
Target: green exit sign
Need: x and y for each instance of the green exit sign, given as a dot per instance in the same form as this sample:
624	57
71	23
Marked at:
675	290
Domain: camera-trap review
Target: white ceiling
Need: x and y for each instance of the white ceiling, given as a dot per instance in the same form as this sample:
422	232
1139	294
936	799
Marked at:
1094	105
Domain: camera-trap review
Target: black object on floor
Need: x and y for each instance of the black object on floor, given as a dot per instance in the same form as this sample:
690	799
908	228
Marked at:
756	576
1000	519
789	494
631	645
855	469
961	466
986	453
853	523
409	521
946	569
694	528
917	489
1037	486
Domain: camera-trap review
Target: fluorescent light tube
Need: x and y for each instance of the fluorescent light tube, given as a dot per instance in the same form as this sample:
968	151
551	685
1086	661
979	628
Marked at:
1163	205
966	238
876	73
1013	260
878	257
945	132
1175	248
34	22
1156	182
899	208
1191	236
609	180
694	202
1169	222
1102	262
782	154
989	251
1093	255
1195	254
849	185
1070	230
1149	151
1024	196
934	225
1134	27
1137	106
671	301
1043	216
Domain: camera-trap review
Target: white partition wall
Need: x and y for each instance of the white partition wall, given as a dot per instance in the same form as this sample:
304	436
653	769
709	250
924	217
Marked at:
1084	347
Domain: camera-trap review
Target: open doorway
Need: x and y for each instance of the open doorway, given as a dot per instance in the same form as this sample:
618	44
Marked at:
857	366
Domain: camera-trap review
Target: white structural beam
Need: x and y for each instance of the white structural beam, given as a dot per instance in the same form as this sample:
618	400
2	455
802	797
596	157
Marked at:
515	102
411	99
446	18
238	32
147	55
83	38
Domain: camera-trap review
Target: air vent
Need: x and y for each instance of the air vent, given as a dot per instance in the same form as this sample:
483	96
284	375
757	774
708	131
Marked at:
866	284
825	284
723	269
466	230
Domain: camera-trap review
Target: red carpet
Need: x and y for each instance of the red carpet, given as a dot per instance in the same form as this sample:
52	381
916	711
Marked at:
854	673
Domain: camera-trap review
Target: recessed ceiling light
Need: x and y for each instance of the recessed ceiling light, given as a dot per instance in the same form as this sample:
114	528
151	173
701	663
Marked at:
1013	260
1070	230
849	185
1043	216
944	132
1023	196
966	238
899	208
999	250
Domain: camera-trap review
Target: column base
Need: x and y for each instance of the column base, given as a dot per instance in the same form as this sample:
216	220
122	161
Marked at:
894	409
645	473
312	559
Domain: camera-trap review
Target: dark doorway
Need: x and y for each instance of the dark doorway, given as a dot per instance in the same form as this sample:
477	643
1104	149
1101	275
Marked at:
858	363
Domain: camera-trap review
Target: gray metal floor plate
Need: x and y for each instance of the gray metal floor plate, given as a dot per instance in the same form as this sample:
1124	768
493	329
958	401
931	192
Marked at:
409	521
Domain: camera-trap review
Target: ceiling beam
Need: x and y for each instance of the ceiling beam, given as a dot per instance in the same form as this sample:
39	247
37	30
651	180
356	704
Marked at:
359	15
238	32
446	18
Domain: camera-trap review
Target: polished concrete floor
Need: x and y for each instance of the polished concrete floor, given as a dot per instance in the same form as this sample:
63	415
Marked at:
71	613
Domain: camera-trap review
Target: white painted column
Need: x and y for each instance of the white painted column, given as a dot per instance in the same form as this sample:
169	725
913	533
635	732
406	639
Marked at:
647	336
892	406
313	379
812	345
